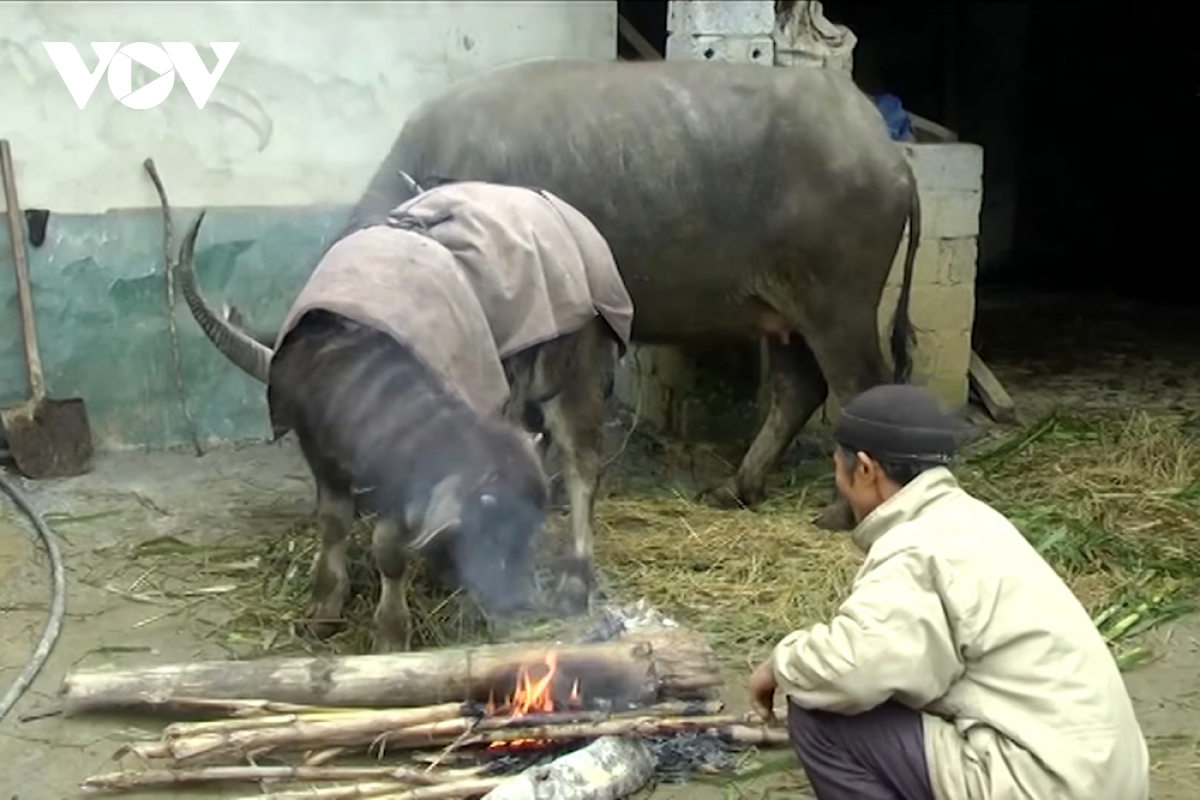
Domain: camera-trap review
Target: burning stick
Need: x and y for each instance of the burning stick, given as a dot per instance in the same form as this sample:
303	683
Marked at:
132	781
408	728
657	665
638	726
524	728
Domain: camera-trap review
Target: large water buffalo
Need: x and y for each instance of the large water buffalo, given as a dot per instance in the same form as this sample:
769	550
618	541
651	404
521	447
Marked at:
739	200
512	297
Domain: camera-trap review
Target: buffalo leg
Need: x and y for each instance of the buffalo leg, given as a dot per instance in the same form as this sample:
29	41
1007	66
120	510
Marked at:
575	418
853	362
393	619
797	390
330	581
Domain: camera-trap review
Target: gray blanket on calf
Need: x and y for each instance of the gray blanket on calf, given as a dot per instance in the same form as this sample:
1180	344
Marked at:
539	266
467	274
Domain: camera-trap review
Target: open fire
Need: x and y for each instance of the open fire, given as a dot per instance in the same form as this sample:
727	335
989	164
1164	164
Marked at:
533	695
541	715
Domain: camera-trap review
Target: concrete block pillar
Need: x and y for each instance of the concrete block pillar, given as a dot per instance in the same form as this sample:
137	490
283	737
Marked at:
704	392
708	30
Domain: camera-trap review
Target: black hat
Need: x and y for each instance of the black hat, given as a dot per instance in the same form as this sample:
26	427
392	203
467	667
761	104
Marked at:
898	423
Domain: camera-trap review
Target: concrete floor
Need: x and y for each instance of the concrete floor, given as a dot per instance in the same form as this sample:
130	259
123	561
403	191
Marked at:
136	498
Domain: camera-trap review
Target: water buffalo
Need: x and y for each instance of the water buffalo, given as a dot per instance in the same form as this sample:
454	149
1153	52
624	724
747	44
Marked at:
550	317
739	200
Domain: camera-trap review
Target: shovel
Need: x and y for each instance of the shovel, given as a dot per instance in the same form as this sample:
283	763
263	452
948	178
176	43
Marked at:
47	438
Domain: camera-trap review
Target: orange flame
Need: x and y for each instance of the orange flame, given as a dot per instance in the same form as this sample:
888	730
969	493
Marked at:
531	696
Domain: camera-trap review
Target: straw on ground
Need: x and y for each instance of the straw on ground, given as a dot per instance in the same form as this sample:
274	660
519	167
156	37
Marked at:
1112	502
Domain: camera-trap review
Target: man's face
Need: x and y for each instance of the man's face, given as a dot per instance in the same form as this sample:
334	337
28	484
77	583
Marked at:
858	479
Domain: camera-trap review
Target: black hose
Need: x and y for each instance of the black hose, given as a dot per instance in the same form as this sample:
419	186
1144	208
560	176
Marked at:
58	593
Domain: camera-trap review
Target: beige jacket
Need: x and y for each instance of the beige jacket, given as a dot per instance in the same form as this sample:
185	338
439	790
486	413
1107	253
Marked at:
955	614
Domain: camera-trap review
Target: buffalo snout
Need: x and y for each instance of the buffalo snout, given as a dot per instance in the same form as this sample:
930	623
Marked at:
494	552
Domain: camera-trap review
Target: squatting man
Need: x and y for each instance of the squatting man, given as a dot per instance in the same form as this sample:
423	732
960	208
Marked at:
960	666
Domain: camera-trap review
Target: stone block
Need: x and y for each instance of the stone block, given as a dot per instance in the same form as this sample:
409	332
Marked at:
950	166
749	17
947	261
942	307
943	316
959	262
949	214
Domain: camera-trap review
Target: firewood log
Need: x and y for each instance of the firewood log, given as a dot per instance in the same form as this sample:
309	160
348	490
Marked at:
638	669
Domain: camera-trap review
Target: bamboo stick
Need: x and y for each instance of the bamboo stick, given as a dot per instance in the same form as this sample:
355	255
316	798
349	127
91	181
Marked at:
127	781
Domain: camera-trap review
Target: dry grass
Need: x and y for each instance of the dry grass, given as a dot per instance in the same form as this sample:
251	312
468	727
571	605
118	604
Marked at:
744	577
1112	502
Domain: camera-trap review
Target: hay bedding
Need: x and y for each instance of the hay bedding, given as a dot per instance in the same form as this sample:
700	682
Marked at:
1112	501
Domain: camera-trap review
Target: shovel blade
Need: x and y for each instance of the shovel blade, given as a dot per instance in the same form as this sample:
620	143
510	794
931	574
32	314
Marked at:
50	439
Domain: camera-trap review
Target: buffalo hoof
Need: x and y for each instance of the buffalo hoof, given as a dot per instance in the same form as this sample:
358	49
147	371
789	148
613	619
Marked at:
388	639
577	592
836	517
318	626
726	496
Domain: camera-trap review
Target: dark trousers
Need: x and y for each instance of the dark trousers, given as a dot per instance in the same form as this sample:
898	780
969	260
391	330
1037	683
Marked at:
877	755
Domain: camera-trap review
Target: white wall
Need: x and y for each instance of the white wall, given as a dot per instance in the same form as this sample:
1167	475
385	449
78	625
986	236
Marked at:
306	109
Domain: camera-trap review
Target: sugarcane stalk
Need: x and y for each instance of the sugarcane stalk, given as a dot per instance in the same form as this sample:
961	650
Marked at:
127	781
460	790
179	729
1127	622
1132	656
1105	615
322	731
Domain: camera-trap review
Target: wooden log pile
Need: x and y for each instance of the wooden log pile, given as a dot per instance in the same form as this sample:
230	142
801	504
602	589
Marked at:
450	710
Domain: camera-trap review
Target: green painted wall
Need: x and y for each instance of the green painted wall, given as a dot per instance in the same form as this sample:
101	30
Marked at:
99	296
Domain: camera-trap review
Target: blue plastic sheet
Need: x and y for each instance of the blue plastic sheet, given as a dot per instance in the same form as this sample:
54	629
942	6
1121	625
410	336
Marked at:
899	124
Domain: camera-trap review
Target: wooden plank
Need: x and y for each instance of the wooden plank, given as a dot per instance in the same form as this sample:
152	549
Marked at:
639	42
933	129
996	400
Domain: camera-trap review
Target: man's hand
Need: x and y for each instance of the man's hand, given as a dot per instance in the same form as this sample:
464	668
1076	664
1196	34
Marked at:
762	691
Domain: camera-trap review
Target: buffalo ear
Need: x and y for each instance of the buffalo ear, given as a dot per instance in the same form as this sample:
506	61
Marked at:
444	511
